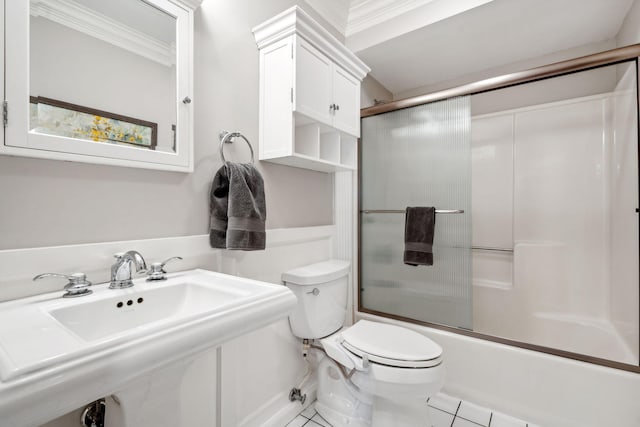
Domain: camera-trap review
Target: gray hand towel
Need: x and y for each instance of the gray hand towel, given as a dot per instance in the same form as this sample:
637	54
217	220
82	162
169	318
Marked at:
419	229
238	209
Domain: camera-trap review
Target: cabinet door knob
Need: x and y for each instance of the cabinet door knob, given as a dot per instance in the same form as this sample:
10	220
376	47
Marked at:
337	107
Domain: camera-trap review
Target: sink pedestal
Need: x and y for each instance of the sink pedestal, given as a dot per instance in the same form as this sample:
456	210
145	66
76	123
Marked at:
152	347
152	400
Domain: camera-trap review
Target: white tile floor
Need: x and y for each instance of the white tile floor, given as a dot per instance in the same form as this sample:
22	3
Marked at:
445	411
309	418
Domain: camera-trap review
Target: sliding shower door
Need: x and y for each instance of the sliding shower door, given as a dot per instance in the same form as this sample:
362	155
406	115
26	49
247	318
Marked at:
418	156
547	175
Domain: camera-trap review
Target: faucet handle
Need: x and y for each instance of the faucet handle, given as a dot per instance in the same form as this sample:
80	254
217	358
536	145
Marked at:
77	286
156	270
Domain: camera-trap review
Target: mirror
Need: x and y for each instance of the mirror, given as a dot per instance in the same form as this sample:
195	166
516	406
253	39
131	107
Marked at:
107	82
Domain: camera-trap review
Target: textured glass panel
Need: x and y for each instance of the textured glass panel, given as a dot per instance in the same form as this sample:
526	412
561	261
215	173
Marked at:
417	157
555	245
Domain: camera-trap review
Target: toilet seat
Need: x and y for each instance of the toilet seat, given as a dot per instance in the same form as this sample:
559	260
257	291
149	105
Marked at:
391	345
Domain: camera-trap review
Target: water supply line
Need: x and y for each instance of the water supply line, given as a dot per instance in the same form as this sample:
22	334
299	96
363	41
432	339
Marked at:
296	392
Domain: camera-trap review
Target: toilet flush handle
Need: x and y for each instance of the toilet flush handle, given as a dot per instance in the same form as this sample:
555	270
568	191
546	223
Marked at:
315	292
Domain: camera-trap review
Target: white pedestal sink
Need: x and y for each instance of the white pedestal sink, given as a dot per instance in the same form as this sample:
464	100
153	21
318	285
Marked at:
58	354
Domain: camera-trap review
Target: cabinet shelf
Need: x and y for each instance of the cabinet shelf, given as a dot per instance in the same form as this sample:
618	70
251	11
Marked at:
332	149
306	162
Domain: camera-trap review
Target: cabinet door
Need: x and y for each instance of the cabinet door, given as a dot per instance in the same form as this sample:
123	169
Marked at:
276	120
312	91
346	97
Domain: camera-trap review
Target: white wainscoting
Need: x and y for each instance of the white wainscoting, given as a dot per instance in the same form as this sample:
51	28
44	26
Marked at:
260	368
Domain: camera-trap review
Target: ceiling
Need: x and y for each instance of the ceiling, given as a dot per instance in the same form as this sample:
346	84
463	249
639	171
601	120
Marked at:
414	43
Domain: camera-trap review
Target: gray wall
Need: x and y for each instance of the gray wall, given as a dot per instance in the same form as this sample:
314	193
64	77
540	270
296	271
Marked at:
46	202
373	90
629	32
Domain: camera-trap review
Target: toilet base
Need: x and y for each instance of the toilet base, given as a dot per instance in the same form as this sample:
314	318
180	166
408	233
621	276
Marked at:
343	403
339	419
339	402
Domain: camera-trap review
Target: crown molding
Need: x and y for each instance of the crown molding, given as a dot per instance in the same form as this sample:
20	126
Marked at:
372	22
334	11
191	4
367	13
85	20
296	21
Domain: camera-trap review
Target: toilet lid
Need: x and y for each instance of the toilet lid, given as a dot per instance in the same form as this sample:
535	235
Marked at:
391	345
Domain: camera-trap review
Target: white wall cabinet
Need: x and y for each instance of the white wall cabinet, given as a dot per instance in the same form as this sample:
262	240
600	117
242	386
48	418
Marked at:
346	99
324	91
312	90
309	95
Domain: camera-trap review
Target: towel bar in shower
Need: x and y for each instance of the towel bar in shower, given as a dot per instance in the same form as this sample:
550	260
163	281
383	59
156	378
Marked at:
227	138
438	211
491	248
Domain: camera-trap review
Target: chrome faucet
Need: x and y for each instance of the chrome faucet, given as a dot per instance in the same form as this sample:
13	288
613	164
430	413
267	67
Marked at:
121	269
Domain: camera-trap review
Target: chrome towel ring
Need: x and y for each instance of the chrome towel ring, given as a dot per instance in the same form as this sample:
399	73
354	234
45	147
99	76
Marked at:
227	138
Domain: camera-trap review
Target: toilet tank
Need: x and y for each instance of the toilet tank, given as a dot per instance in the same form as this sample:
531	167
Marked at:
321	290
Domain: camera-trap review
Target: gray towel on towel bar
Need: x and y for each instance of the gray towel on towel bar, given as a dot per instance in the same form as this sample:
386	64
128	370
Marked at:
238	209
419	227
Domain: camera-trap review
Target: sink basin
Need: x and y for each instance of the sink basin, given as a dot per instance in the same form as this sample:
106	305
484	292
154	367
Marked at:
120	314
79	349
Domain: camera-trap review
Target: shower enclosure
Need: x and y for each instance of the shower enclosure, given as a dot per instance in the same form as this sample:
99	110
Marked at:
535	179
416	157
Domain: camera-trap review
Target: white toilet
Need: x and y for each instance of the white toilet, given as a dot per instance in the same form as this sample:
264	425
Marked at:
393	370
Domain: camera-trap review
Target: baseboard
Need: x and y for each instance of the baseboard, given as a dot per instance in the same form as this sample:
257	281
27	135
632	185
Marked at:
279	411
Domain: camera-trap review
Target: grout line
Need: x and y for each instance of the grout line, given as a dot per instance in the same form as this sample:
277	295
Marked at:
304	416
310	422
440	410
322	418
454	415
444	410
471	421
458	408
307	423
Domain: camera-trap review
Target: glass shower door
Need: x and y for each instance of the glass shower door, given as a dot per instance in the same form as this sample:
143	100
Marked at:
417	157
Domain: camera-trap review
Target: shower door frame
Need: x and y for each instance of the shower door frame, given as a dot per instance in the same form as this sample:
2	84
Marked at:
584	63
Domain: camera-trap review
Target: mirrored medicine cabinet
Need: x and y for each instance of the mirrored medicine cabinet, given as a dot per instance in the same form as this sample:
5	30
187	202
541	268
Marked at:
100	82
